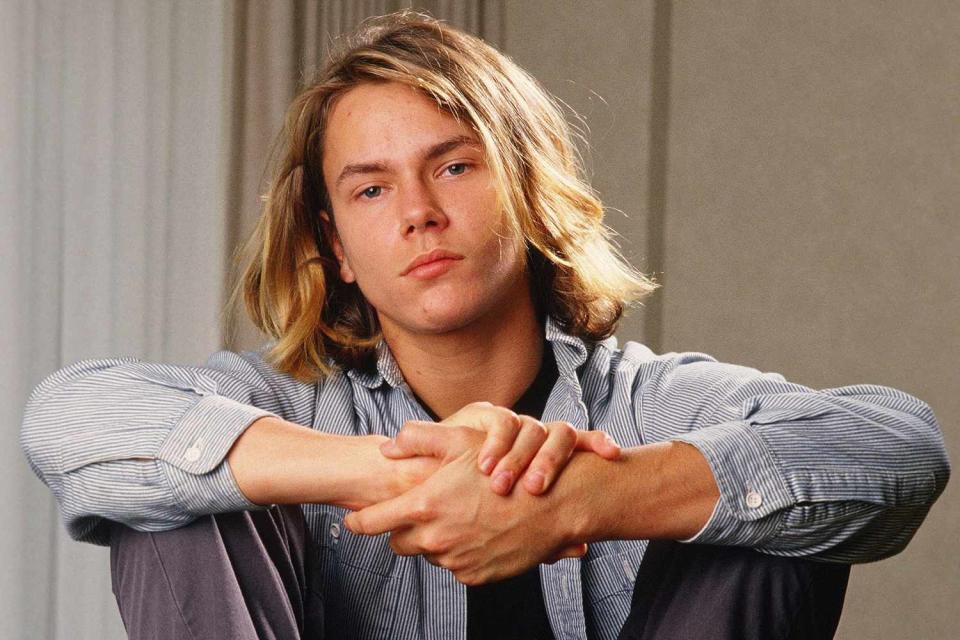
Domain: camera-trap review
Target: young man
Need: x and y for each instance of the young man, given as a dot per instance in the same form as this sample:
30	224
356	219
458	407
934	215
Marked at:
429	253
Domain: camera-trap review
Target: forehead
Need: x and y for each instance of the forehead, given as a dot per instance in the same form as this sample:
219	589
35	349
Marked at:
384	120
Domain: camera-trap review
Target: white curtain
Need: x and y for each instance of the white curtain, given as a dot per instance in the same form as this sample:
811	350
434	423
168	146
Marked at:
132	141
113	191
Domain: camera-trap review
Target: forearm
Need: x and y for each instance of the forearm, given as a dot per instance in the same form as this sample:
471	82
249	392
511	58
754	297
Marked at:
664	490
844	474
279	462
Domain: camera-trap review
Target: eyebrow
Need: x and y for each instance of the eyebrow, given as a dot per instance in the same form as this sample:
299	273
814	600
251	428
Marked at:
432	152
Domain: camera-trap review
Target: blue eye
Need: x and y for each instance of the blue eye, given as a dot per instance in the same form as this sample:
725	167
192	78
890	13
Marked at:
458	164
366	192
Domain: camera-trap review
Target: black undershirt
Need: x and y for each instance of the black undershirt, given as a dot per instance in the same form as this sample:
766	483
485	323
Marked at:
514	608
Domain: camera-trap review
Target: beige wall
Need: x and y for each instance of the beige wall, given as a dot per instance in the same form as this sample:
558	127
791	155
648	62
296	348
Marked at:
812	208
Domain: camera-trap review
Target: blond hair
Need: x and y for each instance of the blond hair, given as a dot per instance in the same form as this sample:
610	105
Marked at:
290	282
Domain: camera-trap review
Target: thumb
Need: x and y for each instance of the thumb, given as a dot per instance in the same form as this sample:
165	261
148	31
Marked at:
388	515
417	438
598	442
573	551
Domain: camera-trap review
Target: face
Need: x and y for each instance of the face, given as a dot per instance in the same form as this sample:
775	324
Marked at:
409	186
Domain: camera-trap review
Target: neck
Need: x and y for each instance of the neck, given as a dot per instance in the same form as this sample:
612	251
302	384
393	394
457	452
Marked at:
494	359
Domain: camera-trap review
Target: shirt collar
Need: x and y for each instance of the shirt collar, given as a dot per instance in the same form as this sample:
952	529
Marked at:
569	351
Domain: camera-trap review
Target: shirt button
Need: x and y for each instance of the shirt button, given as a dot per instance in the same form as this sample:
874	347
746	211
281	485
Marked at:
192	454
754	499
334	530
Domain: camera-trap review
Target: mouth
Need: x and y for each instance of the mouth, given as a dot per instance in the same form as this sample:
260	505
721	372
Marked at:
432	263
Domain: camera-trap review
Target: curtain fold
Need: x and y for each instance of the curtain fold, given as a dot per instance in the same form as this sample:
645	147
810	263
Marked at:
113	213
133	139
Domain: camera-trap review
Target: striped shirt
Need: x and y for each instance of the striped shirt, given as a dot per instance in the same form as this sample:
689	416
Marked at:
844	474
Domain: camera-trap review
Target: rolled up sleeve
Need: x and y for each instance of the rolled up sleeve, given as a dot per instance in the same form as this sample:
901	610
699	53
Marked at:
144	444
845	474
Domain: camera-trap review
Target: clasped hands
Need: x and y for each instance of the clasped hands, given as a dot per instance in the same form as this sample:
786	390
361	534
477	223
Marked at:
462	512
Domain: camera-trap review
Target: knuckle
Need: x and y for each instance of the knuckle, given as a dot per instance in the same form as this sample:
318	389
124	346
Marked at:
508	417
403	437
399	547
532	423
423	510
564	433
468	578
509	425
550	459
510	463
454	563
567	429
432	543
535	430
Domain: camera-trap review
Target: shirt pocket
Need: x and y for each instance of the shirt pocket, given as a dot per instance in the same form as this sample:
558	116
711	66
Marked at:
358	577
610	575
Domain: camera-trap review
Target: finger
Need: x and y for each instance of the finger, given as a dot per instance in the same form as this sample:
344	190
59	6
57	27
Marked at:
598	442
403	543
418	438
531	437
551	458
502	429
389	515
479	415
573	551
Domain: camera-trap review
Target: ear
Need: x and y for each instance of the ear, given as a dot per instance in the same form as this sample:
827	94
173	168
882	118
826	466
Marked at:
346	274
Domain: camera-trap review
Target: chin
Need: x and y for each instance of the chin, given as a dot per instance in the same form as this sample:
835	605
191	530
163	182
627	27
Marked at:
436	319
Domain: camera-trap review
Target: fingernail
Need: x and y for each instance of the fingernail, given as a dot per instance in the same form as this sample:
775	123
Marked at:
486	465
535	482
611	441
502	481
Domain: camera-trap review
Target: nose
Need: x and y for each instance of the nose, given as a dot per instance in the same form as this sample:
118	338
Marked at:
420	209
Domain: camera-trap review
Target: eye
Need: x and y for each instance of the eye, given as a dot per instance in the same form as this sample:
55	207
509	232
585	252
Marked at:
370	192
453	168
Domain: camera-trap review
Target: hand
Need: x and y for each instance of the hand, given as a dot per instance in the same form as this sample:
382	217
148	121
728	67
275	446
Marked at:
456	523
380	478
514	445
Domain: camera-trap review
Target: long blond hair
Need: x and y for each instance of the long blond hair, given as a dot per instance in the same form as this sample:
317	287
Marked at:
290	283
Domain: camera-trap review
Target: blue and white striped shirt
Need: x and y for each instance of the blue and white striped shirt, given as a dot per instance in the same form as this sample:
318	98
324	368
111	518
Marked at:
843	474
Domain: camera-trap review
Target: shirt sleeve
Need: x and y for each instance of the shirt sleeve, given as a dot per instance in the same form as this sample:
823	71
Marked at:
144	444
844	474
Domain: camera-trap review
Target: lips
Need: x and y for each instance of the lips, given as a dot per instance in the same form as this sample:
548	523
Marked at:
429	257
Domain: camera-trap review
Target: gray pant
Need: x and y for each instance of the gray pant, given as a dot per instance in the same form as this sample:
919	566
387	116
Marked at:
247	575
242	576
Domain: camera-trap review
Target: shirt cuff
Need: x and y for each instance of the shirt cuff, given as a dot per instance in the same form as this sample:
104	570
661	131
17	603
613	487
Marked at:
194	453
753	494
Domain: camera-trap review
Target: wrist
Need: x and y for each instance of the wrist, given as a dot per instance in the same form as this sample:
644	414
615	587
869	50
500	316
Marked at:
278	462
664	490
579	498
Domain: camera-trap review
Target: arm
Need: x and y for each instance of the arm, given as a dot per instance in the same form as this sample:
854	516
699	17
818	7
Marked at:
143	443
844	474
480	536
